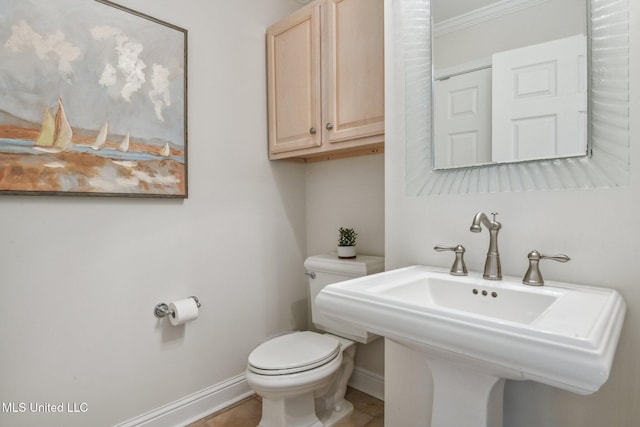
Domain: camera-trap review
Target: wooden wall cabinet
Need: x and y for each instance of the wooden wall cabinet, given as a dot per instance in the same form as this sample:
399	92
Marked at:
325	75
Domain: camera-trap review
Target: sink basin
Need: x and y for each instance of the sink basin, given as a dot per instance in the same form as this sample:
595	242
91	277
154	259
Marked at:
560	334
472	297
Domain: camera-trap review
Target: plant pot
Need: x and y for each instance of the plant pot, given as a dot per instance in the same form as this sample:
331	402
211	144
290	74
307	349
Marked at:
346	252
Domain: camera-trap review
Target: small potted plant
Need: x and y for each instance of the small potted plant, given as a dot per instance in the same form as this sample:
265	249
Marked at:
347	243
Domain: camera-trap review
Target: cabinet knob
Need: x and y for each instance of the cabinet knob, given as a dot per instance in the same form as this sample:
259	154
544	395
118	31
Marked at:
312	131
329	126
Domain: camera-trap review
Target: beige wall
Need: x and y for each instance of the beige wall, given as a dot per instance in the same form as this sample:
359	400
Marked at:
115	259
348	192
79	277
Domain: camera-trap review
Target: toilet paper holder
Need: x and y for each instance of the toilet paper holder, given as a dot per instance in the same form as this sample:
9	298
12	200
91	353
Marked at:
163	309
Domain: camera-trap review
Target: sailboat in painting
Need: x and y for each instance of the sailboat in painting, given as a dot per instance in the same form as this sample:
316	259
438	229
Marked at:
47	130
165	150
102	137
124	145
56	133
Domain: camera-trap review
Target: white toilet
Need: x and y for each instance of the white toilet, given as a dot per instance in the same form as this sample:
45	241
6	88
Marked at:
302	376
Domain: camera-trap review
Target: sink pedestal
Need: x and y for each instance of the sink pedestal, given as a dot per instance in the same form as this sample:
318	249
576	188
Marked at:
464	397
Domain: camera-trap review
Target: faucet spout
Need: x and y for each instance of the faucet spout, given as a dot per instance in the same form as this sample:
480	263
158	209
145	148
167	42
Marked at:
492	267
482	218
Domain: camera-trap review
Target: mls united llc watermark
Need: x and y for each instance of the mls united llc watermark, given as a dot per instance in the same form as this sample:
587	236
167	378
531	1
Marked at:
44	408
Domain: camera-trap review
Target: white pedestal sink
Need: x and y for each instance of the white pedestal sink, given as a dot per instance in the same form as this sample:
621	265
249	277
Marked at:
476	333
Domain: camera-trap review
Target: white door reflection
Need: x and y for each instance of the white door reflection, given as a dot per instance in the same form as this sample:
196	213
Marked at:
463	117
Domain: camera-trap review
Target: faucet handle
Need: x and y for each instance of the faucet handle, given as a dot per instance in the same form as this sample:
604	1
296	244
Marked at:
533	277
458	268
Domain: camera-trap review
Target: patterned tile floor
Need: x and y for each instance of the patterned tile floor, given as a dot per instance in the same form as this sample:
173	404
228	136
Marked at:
368	412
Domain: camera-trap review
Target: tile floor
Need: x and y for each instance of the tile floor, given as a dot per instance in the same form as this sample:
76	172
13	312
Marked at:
368	412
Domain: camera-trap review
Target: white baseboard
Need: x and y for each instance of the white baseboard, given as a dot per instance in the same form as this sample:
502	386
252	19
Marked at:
194	406
219	396
367	382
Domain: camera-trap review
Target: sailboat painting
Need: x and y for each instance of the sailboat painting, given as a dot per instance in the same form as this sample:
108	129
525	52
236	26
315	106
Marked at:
94	101
55	133
102	137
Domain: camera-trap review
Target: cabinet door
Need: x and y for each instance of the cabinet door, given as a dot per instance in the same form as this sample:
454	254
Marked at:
293	79
353	70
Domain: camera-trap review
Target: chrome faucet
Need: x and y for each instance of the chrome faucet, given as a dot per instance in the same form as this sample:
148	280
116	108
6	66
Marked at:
492	268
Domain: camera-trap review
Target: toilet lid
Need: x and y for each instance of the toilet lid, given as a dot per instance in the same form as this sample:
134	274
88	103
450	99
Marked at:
296	352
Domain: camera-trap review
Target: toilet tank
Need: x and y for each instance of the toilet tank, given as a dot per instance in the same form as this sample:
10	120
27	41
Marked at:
328	269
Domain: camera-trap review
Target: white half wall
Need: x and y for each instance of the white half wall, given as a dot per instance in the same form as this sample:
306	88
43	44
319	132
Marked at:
596	228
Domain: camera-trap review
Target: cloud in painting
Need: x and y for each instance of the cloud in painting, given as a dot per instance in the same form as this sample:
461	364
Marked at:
159	94
129	64
53	46
108	77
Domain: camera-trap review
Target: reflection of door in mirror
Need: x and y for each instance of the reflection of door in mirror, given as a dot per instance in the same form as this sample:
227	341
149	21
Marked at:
468	36
463	112
540	101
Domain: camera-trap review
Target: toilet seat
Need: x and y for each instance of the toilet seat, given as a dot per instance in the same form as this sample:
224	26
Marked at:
293	353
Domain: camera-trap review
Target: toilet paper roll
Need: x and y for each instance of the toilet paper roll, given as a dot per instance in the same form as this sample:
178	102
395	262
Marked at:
184	310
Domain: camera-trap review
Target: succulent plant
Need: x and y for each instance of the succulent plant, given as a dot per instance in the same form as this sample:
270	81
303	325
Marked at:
347	237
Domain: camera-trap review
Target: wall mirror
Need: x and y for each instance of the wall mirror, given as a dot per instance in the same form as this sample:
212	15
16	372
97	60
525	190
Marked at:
599	31
509	81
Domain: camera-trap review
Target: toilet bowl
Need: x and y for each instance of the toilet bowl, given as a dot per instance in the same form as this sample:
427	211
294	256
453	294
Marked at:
302	376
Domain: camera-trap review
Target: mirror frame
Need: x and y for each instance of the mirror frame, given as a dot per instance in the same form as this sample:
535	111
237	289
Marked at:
608	163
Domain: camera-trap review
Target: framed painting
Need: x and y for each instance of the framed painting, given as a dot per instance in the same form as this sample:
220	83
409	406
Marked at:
93	101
